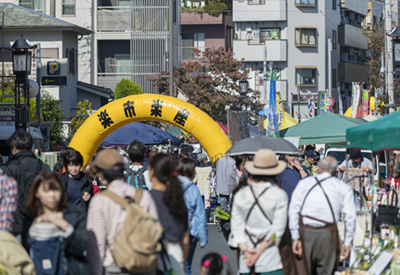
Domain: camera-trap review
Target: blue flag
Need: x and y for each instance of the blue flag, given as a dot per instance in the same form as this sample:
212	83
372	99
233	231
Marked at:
273	126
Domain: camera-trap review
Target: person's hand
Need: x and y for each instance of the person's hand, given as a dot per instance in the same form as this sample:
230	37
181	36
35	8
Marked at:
345	252
202	246
342	168
297	164
243	247
367	170
252	256
56	219
386	181
86	196
297	248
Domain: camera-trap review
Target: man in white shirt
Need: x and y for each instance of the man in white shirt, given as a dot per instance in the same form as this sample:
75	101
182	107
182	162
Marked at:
357	161
313	213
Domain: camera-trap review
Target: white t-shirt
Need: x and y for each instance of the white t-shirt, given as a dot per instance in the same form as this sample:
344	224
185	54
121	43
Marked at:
146	175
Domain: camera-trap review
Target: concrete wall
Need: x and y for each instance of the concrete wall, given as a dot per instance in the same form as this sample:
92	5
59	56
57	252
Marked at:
276	50
214	34
359	6
272	10
94	99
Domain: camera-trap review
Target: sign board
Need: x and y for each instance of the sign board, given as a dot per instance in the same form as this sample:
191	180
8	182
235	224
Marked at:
54	72
7	114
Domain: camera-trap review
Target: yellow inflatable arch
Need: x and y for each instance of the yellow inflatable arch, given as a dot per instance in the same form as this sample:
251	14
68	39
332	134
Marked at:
150	107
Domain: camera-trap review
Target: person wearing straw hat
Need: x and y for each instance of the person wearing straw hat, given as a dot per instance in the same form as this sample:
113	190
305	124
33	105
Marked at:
259	216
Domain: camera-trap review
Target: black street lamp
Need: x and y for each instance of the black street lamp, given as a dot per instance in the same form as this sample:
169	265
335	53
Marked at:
22	62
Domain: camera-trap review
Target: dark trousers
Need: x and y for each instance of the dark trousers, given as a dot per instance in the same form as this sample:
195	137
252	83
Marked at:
188	264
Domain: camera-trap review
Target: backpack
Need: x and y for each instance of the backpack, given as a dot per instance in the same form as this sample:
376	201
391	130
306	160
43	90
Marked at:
136	178
25	179
137	244
48	256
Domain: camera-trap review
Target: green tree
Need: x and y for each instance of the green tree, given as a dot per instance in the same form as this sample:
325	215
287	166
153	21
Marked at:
211	84
125	87
84	111
376	46
51	111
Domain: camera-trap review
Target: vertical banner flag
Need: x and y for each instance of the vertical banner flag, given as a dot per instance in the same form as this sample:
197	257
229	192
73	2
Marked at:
244	124
281	111
360	102
260	124
376	102
298	106
356	99
310	105
340	102
365	103
233	125
322	102
272	112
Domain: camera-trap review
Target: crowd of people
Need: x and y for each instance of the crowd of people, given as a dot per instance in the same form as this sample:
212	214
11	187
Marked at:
146	212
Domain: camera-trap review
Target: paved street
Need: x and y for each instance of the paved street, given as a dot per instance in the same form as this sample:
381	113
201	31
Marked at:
216	243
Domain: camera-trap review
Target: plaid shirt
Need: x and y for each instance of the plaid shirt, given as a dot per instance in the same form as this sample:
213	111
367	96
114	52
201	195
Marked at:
8	202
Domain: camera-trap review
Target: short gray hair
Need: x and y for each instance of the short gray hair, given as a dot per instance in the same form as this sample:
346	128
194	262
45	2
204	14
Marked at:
327	164
201	157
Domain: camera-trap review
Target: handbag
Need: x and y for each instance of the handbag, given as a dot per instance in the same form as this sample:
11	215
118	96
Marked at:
387	211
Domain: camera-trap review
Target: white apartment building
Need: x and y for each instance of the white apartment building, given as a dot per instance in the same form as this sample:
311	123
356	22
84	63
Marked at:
296	35
124	44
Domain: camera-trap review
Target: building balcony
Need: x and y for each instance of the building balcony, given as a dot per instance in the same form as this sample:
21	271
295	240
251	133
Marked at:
259	10
359	6
352	72
118	19
351	36
253	50
193	18
110	80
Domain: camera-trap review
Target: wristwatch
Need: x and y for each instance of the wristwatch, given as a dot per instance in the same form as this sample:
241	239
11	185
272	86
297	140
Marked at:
293	240
301	168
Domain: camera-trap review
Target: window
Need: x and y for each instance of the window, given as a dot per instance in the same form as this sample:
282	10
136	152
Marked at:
123	65
258	37
72	56
306	76
191	41
36	5
68	7
334	5
256	2
49	53
334	39
174	11
333	78
306	3
306	37
374	20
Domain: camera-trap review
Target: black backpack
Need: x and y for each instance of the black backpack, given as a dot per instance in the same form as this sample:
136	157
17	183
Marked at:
25	179
136	178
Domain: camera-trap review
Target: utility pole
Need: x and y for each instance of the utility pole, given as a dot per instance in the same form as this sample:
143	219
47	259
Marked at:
329	67
171	48
389	54
265	74
38	80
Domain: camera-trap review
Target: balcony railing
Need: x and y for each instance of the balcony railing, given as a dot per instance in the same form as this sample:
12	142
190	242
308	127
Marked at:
259	37
256	2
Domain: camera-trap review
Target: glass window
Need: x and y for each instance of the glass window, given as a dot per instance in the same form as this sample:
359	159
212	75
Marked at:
36	5
68	7
123	64
333	78
333	39
256	2
306	2
191	41
334	5
306	76
305	37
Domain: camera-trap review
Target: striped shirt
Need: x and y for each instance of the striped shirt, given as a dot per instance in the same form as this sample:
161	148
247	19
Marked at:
8	202
105	220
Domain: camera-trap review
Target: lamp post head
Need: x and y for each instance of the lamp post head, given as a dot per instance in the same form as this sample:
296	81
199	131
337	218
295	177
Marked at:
22	44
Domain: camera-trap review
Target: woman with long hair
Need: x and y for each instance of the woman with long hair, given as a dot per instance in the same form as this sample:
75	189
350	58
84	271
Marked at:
195	206
167	194
56	225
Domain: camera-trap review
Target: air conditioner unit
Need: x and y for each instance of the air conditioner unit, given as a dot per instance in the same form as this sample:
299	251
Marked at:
368	20
352	16
351	52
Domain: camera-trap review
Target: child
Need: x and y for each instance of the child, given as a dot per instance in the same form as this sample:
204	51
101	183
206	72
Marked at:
214	264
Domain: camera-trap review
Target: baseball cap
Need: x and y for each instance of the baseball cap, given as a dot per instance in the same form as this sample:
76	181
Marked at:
311	154
107	159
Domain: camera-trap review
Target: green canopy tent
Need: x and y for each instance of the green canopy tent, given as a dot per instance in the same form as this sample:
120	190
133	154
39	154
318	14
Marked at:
326	128
379	135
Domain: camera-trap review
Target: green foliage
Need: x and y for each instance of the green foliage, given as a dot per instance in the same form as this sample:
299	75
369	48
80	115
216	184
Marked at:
84	111
211	84
215	9
212	7
376	45
51	111
125	87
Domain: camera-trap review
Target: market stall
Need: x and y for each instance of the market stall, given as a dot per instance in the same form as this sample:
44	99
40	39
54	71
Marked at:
379	251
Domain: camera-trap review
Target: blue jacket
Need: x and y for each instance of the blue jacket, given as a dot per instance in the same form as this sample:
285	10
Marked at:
194	204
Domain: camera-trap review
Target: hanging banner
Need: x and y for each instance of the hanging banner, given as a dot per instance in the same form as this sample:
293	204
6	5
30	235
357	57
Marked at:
340	102
376	102
272	112
310	105
281	111
360	102
322	102
233	125
356	99
365	103
244	124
